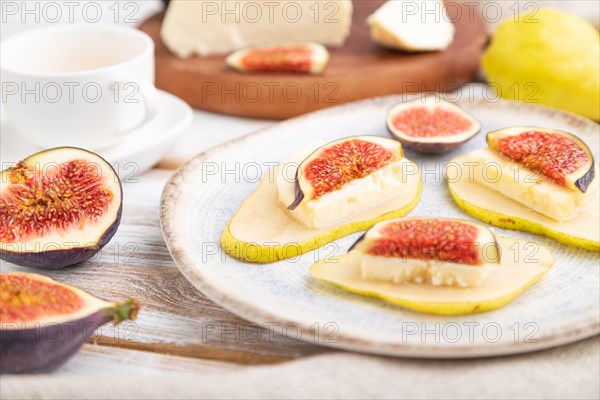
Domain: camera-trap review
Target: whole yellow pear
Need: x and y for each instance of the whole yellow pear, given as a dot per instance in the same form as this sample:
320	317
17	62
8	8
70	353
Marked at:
548	57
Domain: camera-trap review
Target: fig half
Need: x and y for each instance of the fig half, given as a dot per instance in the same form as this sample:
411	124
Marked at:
431	125
58	207
321	195
510	276
559	156
43	322
301	58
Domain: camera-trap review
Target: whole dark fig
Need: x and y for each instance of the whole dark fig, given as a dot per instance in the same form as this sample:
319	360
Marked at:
43	322
58	207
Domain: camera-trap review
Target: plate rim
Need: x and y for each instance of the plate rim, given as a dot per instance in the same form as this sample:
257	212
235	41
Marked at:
551	337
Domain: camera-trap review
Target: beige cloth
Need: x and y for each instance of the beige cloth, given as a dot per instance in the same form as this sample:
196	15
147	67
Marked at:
569	372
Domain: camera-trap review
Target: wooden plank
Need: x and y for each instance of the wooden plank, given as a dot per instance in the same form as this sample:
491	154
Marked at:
100	361
176	319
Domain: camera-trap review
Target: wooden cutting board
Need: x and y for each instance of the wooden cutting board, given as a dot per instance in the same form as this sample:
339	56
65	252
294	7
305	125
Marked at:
358	70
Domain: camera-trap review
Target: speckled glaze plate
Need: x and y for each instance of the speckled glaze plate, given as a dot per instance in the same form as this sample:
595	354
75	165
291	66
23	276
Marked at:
203	194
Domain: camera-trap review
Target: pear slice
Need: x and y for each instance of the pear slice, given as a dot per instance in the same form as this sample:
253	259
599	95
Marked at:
494	208
523	264
264	231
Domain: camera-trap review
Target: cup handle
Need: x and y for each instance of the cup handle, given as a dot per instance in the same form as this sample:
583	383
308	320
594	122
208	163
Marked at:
149	96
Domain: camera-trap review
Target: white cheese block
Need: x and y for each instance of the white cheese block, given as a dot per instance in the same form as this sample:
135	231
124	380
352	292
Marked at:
527	187
436	273
207	27
412	25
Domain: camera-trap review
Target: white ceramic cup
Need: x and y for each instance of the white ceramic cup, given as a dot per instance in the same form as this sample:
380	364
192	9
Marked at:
88	86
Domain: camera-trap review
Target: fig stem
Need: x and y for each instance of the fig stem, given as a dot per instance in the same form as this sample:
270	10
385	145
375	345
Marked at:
127	310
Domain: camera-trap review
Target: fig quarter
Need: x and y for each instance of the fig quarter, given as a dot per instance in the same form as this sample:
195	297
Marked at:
43	322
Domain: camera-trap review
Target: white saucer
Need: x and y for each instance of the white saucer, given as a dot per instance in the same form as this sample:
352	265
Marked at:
137	153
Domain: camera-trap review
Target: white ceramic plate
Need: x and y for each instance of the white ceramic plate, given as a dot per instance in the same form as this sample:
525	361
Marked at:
203	194
135	154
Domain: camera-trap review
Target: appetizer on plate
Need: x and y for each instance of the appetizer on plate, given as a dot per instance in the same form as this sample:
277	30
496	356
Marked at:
437	266
322	194
532	179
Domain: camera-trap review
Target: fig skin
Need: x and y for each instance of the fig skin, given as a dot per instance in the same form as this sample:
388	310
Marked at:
60	258
584	182
429	148
57	259
47	346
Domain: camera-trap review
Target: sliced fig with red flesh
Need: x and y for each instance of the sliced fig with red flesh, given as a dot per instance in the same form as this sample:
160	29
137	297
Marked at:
337	163
43	322
302	58
431	125
561	157
58	207
434	239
